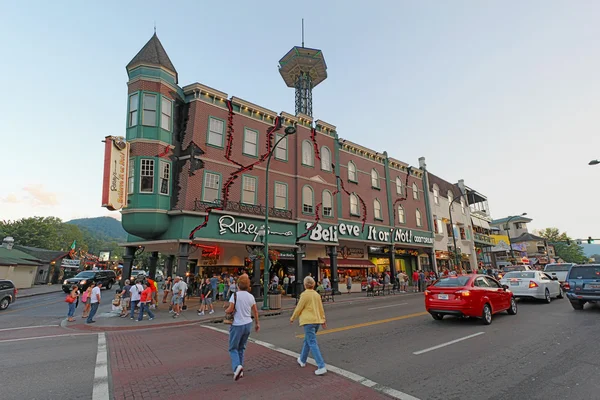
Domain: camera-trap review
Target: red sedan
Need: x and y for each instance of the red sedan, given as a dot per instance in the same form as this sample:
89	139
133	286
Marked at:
473	295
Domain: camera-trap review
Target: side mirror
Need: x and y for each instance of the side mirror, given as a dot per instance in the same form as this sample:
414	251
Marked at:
505	287
554	278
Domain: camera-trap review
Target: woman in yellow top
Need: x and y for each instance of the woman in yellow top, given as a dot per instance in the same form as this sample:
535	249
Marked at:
312	315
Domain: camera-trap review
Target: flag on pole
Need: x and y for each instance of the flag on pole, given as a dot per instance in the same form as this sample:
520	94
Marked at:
72	250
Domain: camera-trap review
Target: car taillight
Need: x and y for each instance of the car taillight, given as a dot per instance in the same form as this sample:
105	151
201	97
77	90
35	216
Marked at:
427	293
566	286
532	285
463	293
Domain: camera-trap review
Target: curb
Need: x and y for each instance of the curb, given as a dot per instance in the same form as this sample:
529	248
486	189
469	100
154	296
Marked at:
24	296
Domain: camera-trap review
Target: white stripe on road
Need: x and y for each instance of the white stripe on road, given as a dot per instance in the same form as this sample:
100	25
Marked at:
45	337
396	394
447	343
28	327
391	305
101	372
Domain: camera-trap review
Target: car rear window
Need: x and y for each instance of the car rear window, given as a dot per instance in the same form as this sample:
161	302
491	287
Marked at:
557	267
452	281
514	268
592	272
524	275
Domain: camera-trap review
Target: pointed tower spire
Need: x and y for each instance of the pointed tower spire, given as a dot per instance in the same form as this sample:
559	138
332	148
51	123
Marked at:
153	54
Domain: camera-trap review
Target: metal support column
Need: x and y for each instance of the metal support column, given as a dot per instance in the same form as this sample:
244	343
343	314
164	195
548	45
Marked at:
128	259
182	259
153	263
334	271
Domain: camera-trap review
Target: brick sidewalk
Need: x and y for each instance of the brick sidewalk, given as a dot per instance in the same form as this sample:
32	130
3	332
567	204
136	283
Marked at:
191	362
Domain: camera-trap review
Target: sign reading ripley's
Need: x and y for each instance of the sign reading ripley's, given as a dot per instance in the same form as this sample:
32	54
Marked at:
116	167
333	233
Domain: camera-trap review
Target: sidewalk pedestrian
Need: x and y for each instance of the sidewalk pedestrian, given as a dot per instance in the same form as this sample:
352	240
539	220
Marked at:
125	299
214	281
415	280
154	288
86	299
206	298
243	305
326	283
349	283
312	316
136	293
179	288
221	289
286	284
95	301
167	286
71	300
402	279
145	301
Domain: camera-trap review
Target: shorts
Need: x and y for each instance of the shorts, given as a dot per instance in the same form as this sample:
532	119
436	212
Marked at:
177	299
207	300
125	302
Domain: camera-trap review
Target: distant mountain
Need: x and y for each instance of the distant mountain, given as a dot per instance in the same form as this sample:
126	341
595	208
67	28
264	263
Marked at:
105	227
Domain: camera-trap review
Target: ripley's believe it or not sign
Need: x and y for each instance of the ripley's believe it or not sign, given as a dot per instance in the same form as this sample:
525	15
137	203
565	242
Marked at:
114	182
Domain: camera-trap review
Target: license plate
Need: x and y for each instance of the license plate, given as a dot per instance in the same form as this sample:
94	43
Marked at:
592	286
442	296
514	284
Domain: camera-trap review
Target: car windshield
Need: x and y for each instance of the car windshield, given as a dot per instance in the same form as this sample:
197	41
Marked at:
526	275
85	275
590	272
452	281
557	267
514	268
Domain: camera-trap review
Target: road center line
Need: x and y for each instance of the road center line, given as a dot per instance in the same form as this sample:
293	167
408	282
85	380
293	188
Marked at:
447	343
101	372
44	337
29	327
391	305
364	324
396	394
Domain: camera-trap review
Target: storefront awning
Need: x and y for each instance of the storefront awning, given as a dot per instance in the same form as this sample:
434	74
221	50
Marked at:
481	223
345	263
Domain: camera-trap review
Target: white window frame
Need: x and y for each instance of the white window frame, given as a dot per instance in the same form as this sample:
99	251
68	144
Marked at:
354	210
325	158
279	196
462	205
208	183
436	194
352	173
281	152
246	188
327	194
148	110
164	174
401	215
166	113
146	171
133	111
374	178
377	210
131	177
248	151
415	190
308	207
308	154
398	186
214	133
419	217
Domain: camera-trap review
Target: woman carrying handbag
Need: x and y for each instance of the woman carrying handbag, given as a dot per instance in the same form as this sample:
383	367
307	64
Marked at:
71	300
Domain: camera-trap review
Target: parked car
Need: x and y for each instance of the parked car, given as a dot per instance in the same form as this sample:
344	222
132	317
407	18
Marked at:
472	295
583	285
8	293
558	270
533	284
511	268
84	278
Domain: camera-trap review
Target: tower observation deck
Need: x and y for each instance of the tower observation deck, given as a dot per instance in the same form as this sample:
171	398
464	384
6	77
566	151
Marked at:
303	69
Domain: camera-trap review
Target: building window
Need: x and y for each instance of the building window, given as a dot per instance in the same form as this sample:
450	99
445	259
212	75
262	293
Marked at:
325	159
354	204
133	109
212	186
352	172
415	189
249	190
419	219
281	149
327	204
518	225
166	110
449	230
149	114
165	175
398	186
216	132
308	157
450	199
147	176
131	176
440	226
435	227
462	205
401	215
377	209
250	142
436	194
463	235
374	178
308	200
280	196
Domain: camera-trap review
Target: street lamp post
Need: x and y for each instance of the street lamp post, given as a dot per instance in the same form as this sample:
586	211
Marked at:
594	162
452	227
290	130
507	228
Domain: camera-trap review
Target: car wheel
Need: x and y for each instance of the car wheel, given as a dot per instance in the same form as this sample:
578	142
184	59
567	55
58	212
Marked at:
547	297
486	315
577	305
437	317
561	294
513	307
4	303
108	285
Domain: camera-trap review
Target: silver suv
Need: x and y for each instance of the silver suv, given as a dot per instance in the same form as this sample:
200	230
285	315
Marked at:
8	293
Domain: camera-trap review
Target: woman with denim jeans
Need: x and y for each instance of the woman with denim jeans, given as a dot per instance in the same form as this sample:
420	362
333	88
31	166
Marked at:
73	304
312	316
243	305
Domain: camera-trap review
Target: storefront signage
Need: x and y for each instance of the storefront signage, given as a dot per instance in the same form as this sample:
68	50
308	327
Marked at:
333	233
116	168
228	224
386	250
288	255
67	263
351	252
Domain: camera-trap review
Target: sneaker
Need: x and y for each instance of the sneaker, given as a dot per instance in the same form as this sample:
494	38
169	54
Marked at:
171	311
237	372
201	313
321	371
212	312
242	374
150	319
131	318
301	363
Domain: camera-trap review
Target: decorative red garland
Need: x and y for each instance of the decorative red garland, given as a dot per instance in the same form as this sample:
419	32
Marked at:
399	199
165	152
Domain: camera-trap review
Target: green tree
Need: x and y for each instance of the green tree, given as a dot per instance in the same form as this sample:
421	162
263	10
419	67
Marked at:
564	246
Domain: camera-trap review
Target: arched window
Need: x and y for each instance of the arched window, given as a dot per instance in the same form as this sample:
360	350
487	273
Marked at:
401	216
436	194
308	158
419	220
325	159
398	186
354	204
374	178
308	200
415	191
327	204
377	209
352	172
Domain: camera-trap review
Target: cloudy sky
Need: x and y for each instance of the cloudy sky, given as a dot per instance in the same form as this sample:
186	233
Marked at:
504	95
